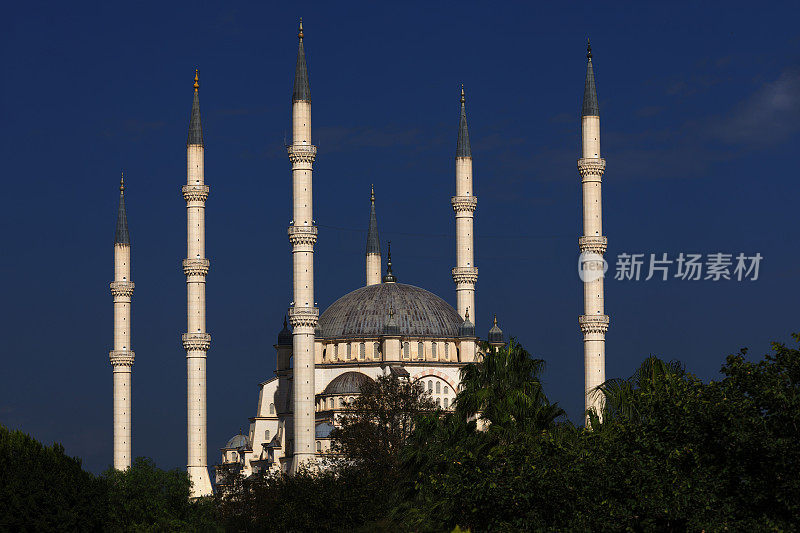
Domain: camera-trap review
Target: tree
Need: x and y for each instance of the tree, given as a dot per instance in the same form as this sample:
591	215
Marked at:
373	431
505	391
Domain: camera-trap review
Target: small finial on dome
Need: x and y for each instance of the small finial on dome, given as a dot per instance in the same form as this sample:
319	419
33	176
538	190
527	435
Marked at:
196	79
285	325
372	193
122	181
588	49
391	312
462	94
466	314
300	33
389	277
495	319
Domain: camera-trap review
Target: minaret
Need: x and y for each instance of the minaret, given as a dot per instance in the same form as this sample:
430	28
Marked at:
373	245
196	341
303	315
465	274
594	321
122	355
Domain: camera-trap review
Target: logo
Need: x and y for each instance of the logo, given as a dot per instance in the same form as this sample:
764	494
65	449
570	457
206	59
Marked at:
591	267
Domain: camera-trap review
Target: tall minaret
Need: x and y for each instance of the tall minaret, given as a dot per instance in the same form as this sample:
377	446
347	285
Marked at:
122	355
465	274
303	314
373	245
196	341
594	321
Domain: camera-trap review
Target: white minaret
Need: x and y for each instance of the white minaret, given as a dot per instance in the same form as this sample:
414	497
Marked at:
303	314
122	355
373	245
196	341
465	274
594	321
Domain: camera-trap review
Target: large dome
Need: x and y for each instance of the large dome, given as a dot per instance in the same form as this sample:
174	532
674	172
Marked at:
364	312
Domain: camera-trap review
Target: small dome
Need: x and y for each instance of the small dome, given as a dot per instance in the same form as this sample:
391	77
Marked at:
323	431
364	313
495	334
347	383
467	328
237	441
285	336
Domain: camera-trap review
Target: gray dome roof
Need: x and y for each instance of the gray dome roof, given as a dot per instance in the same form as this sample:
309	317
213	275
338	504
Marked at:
347	383
365	311
238	441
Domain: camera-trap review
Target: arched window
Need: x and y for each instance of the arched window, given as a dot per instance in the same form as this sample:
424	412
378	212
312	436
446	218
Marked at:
439	402
319	447
406	351
446	402
430	386
362	351
335	351
234	456
446	351
446	389
420	351
433	349
272	408
349	351
341	402
438	387
376	354
324	351
266	435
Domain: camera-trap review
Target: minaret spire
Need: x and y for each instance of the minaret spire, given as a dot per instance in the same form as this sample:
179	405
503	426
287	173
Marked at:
590	106
465	275
196	341
373	245
302	89
195	127
122	236
303	315
594	322
122	355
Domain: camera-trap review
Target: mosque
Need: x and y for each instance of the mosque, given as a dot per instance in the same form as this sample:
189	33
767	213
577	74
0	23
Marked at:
383	328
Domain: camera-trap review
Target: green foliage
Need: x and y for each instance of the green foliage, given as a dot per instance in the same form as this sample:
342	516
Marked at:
146	498
42	489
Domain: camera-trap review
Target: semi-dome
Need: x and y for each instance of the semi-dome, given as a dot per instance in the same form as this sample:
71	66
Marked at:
364	313
347	383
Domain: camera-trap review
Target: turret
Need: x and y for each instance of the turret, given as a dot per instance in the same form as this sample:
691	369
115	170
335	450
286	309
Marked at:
196	340
465	274
373	245
594	322
122	355
496	336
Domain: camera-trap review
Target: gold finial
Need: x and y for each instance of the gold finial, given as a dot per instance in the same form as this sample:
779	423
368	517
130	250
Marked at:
300	33
391	312
372	193
466	315
122	181
588	49
462	94
196	79
495	319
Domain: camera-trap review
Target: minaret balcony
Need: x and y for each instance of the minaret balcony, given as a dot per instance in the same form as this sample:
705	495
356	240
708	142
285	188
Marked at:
196	341
122	288
594	244
302	153
303	317
121	357
593	323
464	203
196	267
195	193
465	274
591	168
302	234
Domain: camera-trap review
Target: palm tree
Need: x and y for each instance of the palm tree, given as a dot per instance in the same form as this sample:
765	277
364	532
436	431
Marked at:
620	395
504	391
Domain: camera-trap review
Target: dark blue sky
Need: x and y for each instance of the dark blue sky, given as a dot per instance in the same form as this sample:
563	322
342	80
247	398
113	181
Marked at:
700	108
